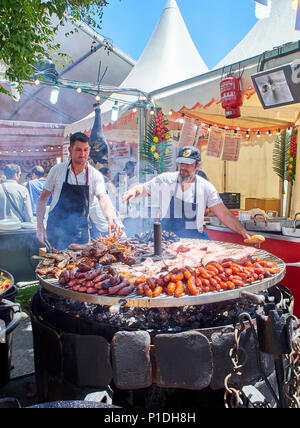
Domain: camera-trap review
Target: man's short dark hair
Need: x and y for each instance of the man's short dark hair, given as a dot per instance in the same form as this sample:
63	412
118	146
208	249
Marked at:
10	170
38	171
104	171
130	164
78	136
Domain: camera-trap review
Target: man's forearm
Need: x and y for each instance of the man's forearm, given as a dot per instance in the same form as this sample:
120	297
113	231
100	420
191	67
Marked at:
107	207
40	211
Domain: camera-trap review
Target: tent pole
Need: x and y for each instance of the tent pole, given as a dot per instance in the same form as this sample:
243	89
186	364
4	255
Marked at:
141	137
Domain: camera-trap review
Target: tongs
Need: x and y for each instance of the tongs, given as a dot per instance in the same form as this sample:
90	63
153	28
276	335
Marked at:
293	264
48	246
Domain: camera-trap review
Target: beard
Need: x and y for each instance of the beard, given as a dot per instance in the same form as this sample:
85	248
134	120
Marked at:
185	176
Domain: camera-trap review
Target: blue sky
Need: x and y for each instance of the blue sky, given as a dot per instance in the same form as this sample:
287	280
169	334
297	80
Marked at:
216	26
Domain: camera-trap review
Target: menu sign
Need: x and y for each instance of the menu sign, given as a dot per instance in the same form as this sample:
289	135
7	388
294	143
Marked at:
188	133
215	142
232	145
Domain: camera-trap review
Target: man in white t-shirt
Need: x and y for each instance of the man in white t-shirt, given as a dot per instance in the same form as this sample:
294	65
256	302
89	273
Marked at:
73	186
184	196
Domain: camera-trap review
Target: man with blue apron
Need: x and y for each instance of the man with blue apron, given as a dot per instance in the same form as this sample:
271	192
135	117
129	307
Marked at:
73	185
68	221
185	212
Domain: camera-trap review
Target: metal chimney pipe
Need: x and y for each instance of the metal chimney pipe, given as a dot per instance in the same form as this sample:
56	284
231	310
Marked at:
157	239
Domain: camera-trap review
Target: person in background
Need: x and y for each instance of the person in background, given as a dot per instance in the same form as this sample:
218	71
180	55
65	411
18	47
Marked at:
99	224
14	198
35	186
110	187
129	170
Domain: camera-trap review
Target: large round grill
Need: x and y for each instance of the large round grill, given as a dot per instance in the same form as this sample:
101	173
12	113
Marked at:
133	300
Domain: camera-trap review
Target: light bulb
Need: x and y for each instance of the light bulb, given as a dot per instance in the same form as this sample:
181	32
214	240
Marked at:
36	82
97	97
54	95
79	90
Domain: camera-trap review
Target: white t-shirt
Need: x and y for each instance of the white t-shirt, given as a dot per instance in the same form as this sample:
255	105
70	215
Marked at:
162	189
57	176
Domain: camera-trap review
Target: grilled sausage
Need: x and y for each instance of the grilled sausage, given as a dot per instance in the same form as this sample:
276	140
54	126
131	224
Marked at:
116	288
126	290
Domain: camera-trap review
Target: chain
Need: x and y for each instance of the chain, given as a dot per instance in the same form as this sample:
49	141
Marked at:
292	385
239	358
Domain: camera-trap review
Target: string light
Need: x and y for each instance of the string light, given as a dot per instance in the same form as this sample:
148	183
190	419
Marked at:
97	98
258	134
79	90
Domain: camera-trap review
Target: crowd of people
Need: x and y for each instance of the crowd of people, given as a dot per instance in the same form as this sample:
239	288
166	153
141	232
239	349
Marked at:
83	202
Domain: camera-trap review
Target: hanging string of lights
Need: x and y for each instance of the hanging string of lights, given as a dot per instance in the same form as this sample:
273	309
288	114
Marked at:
246	133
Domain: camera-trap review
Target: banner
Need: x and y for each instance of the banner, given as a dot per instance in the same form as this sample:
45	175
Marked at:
298	17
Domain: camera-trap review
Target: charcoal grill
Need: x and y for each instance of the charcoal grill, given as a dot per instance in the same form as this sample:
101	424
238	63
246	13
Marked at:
133	300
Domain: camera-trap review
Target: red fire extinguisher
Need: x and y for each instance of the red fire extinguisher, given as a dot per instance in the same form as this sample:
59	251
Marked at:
231	96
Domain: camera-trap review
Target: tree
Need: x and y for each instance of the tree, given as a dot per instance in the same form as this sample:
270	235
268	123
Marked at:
27	35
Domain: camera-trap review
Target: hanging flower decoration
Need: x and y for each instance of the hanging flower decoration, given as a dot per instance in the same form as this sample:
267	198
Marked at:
156	151
292	154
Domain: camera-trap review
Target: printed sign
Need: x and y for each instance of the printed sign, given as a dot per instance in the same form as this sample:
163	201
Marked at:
215	142
188	133
232	145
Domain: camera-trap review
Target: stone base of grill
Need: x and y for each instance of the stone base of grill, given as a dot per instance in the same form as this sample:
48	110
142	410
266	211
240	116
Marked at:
67	364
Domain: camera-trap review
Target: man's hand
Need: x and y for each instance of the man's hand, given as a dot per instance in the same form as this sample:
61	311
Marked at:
130	194
41	234
113	227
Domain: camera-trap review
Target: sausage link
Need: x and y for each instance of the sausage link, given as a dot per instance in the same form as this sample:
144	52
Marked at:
126	290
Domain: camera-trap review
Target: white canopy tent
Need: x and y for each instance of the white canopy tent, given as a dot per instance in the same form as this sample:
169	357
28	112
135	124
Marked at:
169	57
275	30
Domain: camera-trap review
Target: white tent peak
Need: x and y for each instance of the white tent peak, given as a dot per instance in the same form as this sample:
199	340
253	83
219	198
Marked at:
169	57
276	30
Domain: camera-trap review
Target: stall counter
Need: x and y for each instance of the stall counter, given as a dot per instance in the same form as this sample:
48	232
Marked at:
285	247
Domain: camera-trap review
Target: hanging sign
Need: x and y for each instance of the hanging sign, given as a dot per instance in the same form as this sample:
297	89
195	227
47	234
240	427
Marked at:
66	153
215	142
188	133
298	17
232	145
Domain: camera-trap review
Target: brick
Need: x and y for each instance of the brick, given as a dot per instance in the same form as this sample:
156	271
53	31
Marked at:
182	360
221	345
131	362
86	360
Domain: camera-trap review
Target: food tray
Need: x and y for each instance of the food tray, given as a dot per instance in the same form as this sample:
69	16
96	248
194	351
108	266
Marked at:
162	301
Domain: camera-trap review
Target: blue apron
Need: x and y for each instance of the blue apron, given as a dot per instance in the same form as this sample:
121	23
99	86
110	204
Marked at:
68	221
178	221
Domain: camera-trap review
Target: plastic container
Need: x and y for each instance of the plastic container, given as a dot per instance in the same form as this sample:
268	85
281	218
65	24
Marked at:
10	317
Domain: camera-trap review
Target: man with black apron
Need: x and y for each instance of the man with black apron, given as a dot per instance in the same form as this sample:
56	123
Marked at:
184	196
73	185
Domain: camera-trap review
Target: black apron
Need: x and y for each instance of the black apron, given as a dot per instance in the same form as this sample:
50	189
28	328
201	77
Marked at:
68	221
182	217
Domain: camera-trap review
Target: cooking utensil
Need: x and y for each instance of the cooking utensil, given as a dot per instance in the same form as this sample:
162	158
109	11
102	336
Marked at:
267	225
48	246
289	227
